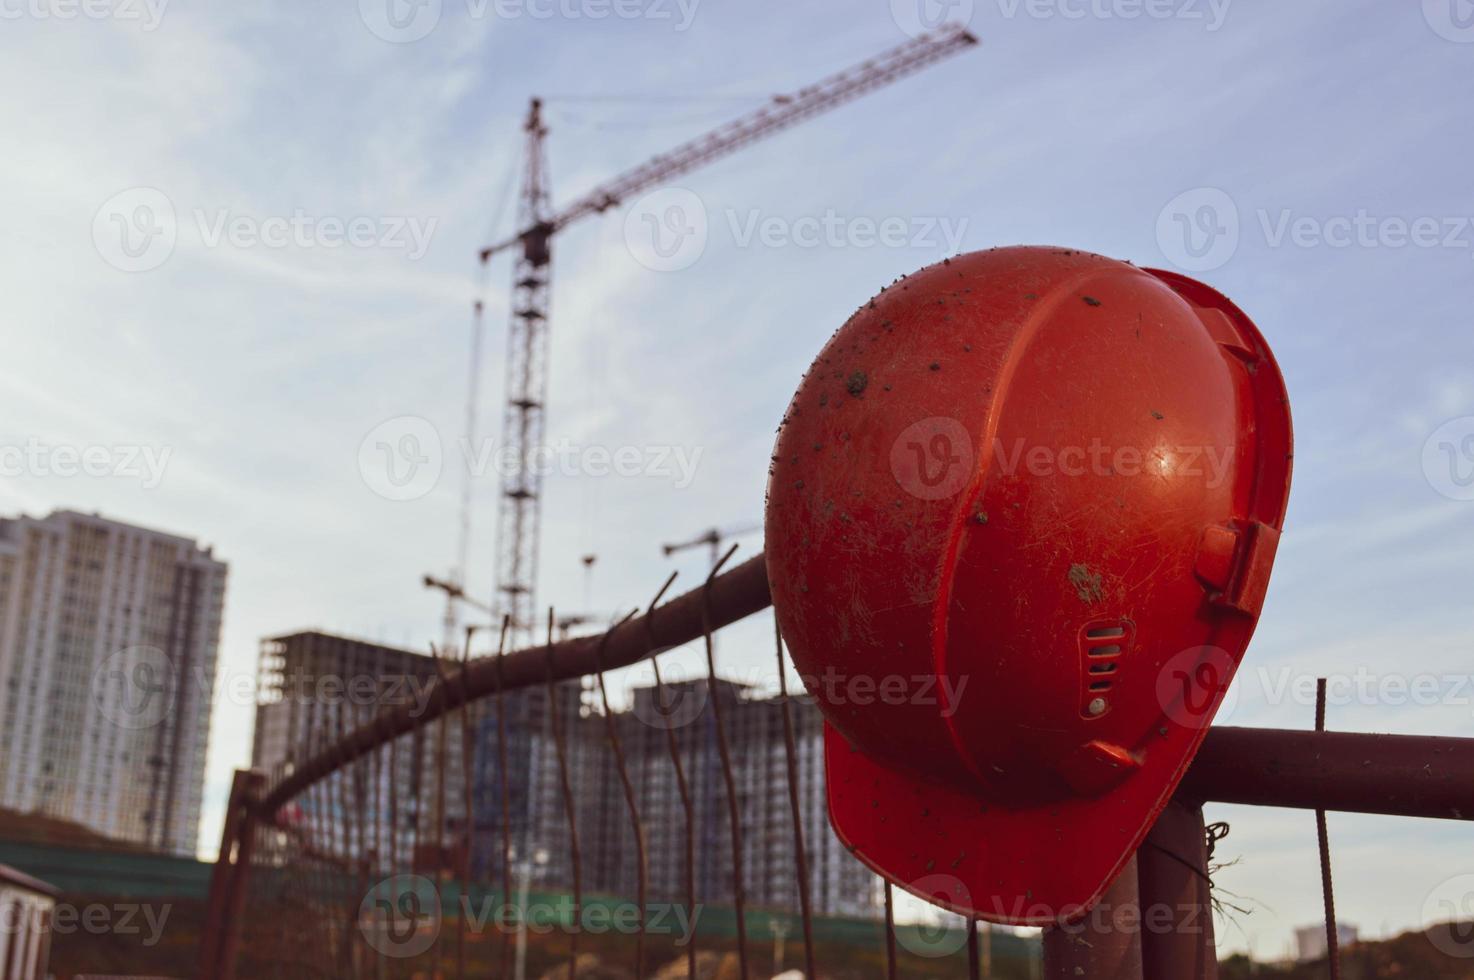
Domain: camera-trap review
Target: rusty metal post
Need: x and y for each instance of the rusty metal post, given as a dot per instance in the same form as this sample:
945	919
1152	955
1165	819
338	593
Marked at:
220	943
1105	944
1176	902
209	952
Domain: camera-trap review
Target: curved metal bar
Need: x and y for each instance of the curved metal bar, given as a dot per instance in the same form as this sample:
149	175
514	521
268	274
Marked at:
733	596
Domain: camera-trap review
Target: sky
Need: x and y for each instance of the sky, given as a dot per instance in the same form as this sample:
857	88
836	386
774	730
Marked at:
239	241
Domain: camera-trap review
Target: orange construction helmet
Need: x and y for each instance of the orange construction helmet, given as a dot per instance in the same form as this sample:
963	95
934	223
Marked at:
1020	522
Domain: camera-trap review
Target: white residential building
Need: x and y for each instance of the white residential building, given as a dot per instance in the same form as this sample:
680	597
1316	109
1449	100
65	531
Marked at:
109	635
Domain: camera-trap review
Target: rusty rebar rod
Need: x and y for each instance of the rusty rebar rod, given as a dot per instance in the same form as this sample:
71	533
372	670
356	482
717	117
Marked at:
790	755
890	933
724	753
612	729
505	959
1333	945
569	810
684	789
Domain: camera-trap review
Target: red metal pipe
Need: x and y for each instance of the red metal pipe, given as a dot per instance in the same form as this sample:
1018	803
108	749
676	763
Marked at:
220	876
1397	775
228	928
1176	904
1106	943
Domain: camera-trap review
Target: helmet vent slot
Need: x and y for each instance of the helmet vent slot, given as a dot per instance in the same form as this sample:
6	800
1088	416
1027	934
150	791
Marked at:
1103	644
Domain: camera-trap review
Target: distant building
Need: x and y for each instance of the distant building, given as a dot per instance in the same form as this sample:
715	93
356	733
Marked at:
312	689
838	883
1310	941
28	906
315	687
109	636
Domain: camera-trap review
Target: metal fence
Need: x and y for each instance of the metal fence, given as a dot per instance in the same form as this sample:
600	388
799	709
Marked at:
353	863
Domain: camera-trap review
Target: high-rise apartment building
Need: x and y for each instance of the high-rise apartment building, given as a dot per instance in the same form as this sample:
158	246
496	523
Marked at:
109	635
313	688
838	883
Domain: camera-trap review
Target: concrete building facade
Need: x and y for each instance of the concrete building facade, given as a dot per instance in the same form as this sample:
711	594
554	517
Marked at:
313	688
838	883
109	637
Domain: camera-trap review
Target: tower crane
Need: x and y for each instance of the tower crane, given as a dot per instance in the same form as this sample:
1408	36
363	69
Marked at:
519	511
713	539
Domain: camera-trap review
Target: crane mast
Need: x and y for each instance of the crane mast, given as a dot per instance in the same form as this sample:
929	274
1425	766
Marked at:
520	512
519	515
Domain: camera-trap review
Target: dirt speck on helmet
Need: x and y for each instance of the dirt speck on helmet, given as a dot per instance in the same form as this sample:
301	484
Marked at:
1087	584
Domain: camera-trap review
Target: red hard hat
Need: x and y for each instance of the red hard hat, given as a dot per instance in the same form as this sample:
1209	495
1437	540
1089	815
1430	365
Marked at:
1020	522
